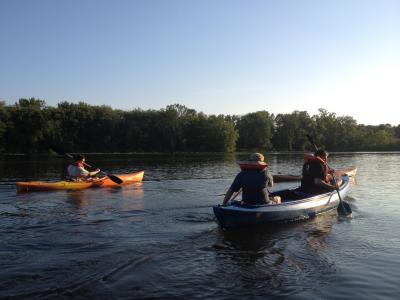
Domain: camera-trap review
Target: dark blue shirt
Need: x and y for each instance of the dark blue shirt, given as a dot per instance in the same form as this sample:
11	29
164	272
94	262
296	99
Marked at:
254	184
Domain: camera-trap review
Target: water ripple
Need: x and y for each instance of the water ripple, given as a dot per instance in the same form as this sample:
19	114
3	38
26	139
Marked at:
159	240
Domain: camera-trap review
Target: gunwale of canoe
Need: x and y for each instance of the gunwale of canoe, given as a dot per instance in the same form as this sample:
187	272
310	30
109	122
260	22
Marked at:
350	171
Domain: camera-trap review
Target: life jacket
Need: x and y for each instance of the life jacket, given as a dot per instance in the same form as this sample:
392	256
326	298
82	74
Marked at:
252	165
78	164
308	157
72	171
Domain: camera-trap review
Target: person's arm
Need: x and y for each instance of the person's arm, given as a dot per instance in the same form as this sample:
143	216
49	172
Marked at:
321	183
228	196
94	172
270	179
85	172
235	187
319	179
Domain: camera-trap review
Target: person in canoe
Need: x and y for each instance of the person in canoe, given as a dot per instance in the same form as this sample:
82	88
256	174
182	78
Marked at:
317	177
253	180
77	171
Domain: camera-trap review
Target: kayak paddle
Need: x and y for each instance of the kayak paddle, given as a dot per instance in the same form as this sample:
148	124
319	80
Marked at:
344	208
114	178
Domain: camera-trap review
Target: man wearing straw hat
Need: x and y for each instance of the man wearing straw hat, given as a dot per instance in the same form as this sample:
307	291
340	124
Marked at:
253	181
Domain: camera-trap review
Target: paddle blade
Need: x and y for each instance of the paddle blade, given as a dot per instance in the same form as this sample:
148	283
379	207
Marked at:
60	151
344	209
115	179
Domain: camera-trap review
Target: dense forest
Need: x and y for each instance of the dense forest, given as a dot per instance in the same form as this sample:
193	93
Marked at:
30	126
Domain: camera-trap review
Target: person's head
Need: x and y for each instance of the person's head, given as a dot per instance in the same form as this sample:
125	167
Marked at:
256	157
79	157
254	162
321	153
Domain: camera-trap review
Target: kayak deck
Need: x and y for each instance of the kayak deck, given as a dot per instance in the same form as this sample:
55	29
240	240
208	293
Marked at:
78	185
126	178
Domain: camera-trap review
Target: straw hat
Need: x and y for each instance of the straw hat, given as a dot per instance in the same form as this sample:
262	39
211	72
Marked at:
255	161
257	157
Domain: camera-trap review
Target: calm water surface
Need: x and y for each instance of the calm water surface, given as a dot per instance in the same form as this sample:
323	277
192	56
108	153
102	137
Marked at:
159	239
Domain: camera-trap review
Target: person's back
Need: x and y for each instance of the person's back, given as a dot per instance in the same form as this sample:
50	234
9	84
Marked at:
254	186
253	179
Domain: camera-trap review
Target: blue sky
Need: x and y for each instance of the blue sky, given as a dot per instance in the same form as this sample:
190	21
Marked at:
218	57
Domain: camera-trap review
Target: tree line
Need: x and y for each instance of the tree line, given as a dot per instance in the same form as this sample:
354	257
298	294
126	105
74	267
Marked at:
30	126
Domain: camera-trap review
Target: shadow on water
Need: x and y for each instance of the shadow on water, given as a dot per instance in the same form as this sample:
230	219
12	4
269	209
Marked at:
277	260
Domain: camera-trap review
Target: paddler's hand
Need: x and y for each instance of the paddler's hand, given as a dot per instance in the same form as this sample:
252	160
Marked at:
95	172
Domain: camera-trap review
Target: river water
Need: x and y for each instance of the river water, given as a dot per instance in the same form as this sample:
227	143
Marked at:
159	239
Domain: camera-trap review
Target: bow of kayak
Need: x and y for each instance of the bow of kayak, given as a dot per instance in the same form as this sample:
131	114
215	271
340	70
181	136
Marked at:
126	178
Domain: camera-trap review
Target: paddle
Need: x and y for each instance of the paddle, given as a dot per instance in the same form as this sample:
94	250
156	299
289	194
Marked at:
237	194
343	208
232	198
59	151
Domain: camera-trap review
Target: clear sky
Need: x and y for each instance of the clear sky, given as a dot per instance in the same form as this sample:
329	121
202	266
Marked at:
215	56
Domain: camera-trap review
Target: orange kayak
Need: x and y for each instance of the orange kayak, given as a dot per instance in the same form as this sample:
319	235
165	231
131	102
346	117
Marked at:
126	178
78	185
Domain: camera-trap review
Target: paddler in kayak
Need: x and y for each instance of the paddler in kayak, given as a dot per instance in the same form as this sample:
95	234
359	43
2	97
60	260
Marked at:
77	171
253	180
317	177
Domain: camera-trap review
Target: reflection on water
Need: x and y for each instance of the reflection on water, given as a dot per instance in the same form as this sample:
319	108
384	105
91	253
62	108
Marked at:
159	239
275	259
80	198
132	196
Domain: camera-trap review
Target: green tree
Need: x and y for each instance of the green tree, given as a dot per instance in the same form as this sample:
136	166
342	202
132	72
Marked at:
132	133
335	133
210	133
291	130
255	131
171	123
29	126
85	128
28	123
3	124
